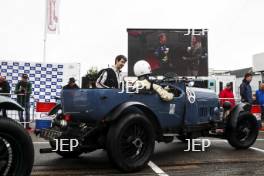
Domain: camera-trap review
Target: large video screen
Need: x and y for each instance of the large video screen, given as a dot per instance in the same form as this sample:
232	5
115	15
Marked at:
181	52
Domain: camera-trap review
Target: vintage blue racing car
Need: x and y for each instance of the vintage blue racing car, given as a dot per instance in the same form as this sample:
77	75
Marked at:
127	125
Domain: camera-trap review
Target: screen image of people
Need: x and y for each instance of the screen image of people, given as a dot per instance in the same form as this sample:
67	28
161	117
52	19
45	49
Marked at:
183	52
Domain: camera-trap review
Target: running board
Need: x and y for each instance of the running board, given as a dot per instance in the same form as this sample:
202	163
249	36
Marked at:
46	150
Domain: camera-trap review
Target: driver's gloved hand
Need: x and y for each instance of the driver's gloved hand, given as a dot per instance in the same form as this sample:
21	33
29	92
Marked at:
142	84
164	95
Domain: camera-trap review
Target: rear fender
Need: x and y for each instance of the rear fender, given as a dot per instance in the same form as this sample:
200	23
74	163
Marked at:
133	107
55	109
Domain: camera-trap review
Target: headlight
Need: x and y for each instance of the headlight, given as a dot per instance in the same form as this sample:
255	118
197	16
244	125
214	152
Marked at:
63	123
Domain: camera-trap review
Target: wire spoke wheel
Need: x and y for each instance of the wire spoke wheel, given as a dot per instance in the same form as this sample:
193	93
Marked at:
16	149
133	142
245	133
130	142
6	156
244	130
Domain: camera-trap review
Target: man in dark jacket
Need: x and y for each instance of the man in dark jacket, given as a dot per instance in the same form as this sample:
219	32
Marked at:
71	84
110	77
4	90
23	90
245	89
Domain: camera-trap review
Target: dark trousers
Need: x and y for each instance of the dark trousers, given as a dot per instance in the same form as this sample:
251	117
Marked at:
4	113
262	113
21	114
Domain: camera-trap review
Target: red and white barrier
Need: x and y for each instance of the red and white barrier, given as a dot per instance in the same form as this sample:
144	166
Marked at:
256	111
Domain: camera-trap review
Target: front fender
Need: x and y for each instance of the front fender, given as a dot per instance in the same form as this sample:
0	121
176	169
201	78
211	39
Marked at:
9	104
236	112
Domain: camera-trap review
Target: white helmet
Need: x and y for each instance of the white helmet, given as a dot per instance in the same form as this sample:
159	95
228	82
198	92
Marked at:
141	68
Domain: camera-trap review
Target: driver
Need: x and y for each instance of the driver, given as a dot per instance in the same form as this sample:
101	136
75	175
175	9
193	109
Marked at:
142	70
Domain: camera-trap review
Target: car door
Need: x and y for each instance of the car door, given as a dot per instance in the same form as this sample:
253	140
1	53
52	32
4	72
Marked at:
171	113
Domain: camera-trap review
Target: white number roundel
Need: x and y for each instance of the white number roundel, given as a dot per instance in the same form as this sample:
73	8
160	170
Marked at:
190	95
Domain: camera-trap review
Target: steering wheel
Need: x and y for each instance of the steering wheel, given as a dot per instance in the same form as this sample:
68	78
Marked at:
169	76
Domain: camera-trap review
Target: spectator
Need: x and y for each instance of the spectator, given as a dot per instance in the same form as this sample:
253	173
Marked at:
260	98
227	95
23	90
4	90
245	89
71	84
110	77
254	99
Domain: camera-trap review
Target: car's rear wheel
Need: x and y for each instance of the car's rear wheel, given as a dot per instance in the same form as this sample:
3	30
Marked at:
16	149
245	133
130	142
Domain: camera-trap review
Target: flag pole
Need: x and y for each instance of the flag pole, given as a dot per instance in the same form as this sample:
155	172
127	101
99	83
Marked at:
45	31
44	50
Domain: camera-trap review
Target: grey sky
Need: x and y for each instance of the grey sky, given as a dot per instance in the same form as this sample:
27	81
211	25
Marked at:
94	32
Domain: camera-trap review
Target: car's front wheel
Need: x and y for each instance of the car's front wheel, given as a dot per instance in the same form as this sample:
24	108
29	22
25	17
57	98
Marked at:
130	142
245	133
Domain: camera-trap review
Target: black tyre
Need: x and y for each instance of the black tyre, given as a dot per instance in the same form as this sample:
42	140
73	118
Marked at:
245	134
130	142
16	149
66	154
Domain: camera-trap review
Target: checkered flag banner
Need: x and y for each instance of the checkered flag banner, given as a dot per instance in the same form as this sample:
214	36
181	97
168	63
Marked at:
47	78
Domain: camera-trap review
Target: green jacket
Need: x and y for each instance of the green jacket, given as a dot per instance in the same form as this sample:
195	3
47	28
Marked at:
23	88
